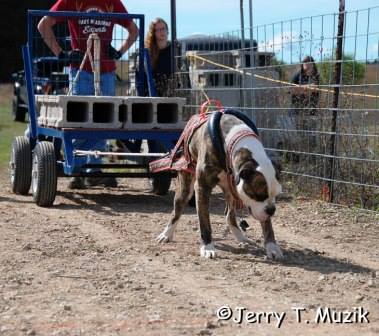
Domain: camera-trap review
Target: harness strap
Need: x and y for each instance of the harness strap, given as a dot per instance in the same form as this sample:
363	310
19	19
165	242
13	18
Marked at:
94	40
238	114
216	136
183	143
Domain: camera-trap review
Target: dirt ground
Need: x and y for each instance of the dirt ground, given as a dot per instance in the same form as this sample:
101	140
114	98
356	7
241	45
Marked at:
89	265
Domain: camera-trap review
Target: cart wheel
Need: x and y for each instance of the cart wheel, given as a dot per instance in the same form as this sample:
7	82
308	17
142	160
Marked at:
18	112
20	165
160	184
44	174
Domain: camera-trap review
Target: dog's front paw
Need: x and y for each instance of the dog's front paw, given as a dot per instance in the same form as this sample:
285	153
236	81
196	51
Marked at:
273	251
208	251
166	236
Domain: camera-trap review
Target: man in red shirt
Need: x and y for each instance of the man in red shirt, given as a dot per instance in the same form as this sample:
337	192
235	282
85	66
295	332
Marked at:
80	29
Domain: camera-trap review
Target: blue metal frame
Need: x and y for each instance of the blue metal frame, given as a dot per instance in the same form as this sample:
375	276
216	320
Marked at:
30	90
167	138
62	138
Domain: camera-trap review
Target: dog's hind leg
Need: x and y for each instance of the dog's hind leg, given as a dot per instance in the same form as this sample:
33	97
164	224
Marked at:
183	194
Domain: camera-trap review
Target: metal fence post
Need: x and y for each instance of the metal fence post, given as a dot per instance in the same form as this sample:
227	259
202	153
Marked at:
173	35
243	57
336	92
252	61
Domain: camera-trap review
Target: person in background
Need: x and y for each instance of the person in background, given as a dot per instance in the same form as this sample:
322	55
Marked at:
159	49
80	29
304	103
160	54
306	96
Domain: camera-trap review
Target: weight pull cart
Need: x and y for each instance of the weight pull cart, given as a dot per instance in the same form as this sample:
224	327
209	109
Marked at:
47	152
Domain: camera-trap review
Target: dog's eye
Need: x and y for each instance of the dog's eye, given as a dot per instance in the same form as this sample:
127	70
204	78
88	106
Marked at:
261	197
247	174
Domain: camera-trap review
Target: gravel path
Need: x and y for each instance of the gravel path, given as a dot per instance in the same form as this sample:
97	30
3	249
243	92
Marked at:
89	265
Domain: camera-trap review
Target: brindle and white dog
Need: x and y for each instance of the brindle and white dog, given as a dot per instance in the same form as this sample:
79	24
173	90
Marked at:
256	183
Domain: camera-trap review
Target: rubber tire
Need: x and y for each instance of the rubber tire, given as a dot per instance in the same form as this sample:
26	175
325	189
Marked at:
20	165
160	184
18	112
44	174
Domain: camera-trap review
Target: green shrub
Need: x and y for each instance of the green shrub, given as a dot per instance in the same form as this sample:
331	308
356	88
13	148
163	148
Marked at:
353	72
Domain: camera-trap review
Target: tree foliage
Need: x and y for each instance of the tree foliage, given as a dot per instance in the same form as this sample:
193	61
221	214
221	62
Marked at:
353	72
280	67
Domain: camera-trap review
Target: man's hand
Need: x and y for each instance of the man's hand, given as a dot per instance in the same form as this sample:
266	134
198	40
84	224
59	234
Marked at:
113	53
73	57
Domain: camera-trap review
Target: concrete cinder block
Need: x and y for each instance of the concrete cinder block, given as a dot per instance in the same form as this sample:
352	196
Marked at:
41	110
110	112
152	112
79	111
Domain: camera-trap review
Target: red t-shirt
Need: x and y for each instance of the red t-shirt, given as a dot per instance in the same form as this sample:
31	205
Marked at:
81	28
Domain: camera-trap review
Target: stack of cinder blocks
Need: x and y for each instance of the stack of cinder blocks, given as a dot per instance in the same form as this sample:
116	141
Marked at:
110	112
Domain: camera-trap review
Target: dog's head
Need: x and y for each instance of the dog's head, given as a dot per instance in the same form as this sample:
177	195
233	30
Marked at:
257	183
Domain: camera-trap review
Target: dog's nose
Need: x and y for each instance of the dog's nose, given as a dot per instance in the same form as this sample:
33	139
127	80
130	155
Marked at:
270	209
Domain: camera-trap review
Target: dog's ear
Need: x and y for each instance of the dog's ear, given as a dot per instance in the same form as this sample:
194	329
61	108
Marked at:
278	169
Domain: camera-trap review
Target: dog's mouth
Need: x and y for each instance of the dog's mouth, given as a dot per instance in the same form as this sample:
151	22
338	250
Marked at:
251	213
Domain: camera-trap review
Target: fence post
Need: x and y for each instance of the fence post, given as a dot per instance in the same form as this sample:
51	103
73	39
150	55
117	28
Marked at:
243	63
173	35
337	82
252	62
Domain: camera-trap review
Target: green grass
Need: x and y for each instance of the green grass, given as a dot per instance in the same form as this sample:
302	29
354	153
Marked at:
8	130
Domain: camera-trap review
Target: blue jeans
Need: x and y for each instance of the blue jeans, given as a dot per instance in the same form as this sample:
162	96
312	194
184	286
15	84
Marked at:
84	86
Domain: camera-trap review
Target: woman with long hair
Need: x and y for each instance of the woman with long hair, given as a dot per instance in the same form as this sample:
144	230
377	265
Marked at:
160	54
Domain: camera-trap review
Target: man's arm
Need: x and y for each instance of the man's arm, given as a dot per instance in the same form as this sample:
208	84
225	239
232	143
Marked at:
132	37
45	27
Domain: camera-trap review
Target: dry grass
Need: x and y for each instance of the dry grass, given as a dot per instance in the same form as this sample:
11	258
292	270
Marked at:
6	94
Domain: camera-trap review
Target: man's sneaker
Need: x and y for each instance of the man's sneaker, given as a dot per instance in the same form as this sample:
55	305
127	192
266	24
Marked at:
76	183
108	182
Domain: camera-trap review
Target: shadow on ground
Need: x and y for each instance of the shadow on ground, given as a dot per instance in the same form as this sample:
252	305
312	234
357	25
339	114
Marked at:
301	258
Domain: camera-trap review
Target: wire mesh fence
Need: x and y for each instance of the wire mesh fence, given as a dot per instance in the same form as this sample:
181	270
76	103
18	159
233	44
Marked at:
323	125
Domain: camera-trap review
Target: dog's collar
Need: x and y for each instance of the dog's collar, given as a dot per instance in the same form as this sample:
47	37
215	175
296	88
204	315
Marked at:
231	144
